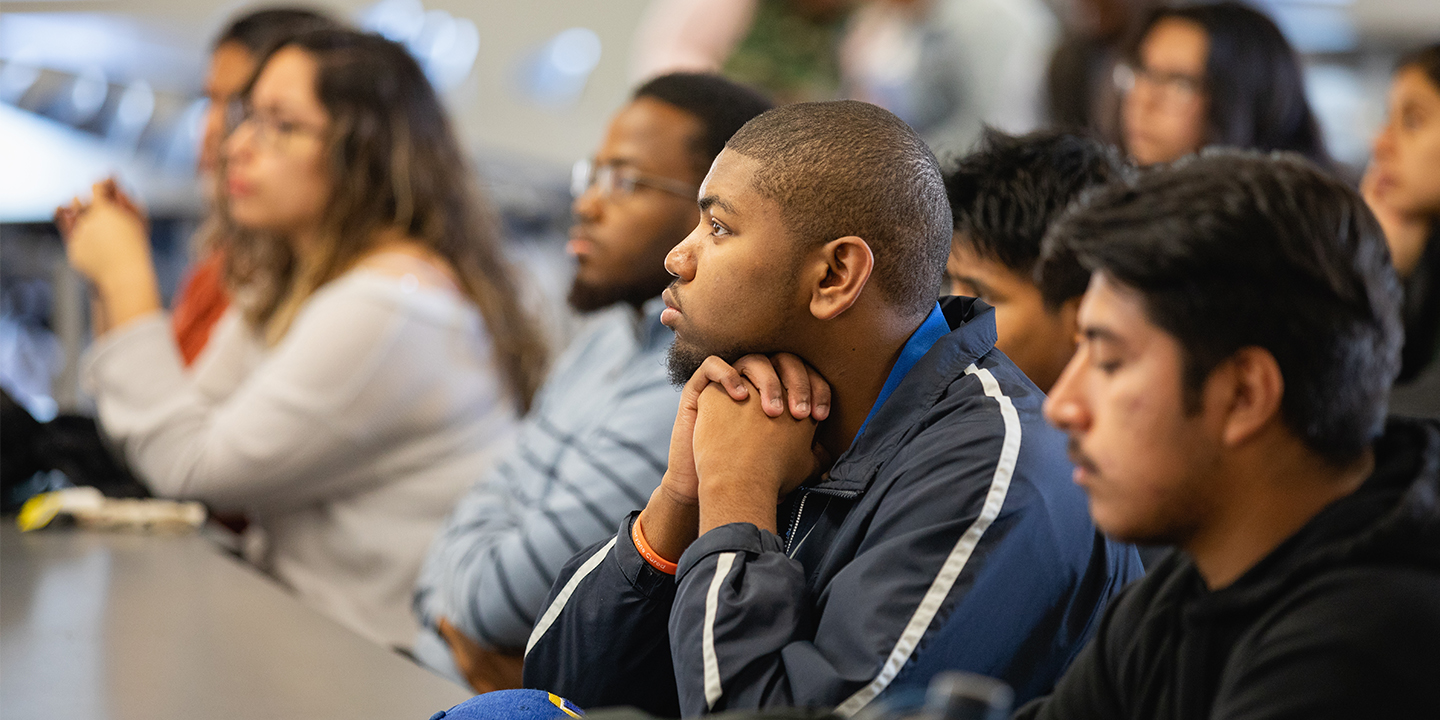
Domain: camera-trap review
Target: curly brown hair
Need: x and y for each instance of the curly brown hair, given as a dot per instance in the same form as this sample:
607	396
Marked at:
399	167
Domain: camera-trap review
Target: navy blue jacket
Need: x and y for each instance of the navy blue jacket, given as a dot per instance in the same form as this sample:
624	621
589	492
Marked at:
949	536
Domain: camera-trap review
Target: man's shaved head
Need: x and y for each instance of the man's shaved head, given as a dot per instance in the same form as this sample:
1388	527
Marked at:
850	168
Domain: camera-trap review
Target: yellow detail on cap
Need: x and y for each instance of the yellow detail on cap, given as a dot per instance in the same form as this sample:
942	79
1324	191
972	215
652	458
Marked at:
560	703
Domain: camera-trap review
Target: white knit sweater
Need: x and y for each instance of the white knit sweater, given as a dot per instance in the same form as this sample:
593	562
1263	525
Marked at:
347	443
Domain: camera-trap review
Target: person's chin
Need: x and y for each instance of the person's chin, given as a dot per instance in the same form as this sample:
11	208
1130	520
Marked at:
683	361
244	214
588	296
1114	524
1145	151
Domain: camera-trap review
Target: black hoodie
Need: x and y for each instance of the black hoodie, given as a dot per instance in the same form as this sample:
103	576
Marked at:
1342	620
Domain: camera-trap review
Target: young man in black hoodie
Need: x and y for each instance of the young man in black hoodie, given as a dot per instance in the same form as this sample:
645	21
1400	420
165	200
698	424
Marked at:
1238	341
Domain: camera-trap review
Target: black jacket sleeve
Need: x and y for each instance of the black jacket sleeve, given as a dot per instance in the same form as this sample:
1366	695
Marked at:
610	646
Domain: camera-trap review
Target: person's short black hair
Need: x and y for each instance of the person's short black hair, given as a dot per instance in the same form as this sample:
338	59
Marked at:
850	168
1253	78
261	30
722	106
1237	249
1006	193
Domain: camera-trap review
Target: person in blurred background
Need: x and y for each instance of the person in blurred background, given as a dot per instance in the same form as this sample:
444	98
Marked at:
1003	198
950	67
1213	74
1080	90
204	295
594	447
783	47
376	362
1402	187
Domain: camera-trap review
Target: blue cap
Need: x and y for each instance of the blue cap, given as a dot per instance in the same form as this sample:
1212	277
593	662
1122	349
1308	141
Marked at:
512	705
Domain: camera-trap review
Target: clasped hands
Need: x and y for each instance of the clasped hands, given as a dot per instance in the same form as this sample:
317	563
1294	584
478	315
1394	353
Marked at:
108	241
744	438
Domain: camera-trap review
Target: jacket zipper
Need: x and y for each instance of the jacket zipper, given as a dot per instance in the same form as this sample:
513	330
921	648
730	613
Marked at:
800	510
795	524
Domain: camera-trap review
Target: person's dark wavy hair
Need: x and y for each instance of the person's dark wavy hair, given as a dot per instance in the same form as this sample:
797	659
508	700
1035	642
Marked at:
260	30
1253	79
1235	249
396	165
1005	194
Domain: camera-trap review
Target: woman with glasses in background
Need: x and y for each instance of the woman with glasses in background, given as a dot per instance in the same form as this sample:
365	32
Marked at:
1213	74
378	357
205	294
1402	186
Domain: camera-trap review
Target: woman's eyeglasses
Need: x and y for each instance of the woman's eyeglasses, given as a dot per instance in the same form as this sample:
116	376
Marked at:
1171	88
269	131
619	181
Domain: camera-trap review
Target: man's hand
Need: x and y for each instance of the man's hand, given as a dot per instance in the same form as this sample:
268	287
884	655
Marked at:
670	521
747	460
485	670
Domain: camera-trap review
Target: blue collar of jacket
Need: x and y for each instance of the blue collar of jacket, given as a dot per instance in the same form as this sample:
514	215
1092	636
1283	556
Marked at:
934	327
971	324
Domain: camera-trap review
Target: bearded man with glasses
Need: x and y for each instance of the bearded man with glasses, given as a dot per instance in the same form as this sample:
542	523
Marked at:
594	445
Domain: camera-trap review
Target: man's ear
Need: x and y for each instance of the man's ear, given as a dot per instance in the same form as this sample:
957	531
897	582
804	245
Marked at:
842	268
1255	388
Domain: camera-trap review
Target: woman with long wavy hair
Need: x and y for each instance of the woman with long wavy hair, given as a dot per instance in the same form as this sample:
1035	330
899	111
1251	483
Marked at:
1402	186
378	354
1212	74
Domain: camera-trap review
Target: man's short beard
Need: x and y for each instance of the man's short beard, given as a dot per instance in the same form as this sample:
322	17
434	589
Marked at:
684	360
587	297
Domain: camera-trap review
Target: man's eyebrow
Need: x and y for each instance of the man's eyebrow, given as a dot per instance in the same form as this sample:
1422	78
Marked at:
710	201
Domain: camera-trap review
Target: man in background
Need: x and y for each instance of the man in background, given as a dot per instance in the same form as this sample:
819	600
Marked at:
1003	198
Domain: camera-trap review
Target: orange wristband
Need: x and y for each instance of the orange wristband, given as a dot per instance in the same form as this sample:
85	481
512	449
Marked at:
652	557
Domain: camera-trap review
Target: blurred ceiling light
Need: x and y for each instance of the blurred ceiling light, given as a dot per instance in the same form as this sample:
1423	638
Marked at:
1315	26
88	93
445	46
136	105
449	46
399	20
555	74
15	79
119	42
132	113
182	150
575	51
